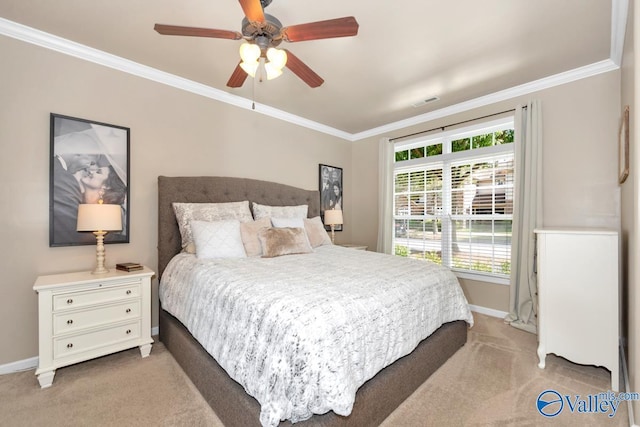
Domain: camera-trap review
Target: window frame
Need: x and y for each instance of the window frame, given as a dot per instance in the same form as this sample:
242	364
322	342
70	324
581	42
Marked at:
445	161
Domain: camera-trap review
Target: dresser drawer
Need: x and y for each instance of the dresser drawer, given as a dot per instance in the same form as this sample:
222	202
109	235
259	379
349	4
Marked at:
70	345
96	296
77	320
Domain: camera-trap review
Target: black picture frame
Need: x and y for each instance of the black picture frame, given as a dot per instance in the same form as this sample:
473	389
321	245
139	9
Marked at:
89	160
331	191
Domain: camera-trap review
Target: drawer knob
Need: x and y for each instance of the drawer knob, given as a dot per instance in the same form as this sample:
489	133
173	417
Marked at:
70	345
128	310
128	331
70	301
128	291
70	322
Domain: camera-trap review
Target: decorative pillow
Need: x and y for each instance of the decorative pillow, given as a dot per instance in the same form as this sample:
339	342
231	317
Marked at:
187	212
249	232
288	222
283	241
261	211
218	239
316	232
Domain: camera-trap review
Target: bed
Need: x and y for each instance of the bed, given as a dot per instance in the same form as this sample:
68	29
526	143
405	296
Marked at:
374	400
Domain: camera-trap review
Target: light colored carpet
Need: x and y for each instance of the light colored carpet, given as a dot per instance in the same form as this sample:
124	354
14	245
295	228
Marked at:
492	381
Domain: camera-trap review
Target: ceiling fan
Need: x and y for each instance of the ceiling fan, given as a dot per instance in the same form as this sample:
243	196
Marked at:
263	33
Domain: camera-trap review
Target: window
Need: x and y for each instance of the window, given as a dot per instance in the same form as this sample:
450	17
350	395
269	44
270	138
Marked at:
453	199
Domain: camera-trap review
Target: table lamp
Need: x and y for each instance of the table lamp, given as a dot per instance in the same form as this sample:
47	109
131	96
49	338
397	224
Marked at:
333	217
99	218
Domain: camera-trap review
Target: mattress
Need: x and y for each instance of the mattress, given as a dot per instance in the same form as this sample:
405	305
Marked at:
301	333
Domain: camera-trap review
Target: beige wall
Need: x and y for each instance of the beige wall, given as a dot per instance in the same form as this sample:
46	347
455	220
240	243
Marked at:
172	133
630	211
177	133
580	166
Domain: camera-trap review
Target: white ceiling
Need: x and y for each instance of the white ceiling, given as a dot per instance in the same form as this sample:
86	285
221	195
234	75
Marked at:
405	51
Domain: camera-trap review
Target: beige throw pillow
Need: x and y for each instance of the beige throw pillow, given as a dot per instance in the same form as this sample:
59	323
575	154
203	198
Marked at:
249	232
283	241
316	233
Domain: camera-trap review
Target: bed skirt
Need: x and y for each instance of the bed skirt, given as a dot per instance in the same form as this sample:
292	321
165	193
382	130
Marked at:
375	400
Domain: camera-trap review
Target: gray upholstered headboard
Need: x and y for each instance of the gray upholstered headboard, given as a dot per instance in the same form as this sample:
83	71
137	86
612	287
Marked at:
214	189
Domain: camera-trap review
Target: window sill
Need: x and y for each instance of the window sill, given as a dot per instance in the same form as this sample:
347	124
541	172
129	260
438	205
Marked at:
478	277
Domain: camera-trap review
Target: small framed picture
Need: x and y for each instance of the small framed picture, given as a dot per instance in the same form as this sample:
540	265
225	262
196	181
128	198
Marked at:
89	162
623	146
330	186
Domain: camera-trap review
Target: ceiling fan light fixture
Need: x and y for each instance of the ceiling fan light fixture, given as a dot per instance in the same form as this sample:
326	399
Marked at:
250	52
272	71
277	57
250	67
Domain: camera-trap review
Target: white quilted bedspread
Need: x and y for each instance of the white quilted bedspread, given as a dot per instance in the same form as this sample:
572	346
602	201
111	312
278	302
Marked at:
302	333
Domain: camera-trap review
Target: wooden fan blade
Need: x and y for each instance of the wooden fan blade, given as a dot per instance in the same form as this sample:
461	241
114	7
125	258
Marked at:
339	27
238	77
301	70
175	30
252	10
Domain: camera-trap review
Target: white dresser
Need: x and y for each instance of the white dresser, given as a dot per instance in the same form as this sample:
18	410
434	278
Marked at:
578	297
84	315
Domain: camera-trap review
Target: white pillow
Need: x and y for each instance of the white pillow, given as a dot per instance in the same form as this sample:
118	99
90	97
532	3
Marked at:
187	212
262	211
287	222
218	239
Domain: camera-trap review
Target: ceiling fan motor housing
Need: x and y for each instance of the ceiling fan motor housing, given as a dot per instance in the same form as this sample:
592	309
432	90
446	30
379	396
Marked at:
268	30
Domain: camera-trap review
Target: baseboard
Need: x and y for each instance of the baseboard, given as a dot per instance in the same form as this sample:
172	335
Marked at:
488	311
625	378
20	365
32	362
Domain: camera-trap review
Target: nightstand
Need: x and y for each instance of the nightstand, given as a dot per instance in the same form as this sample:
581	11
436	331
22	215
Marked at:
356	247
82	316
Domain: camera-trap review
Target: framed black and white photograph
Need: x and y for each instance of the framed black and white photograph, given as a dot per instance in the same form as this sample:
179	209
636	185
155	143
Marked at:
89	163
330	185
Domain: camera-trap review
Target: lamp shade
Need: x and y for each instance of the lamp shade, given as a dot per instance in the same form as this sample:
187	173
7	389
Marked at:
272	72
333	217
277	57
250	67
249	52
99	217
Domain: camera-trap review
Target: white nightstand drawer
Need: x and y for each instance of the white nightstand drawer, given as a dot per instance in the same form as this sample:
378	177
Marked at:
72	321
97	296
69	345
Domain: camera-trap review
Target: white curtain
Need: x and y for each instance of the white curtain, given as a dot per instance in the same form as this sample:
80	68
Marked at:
527	216
385	190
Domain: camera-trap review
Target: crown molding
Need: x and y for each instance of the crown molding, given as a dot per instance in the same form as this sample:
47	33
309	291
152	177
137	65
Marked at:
77	50
619	12
503	95
68	47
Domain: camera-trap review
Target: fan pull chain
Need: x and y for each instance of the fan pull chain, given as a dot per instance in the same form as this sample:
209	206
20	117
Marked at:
253	95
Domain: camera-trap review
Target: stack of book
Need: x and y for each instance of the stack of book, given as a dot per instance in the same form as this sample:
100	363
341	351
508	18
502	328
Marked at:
128	266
